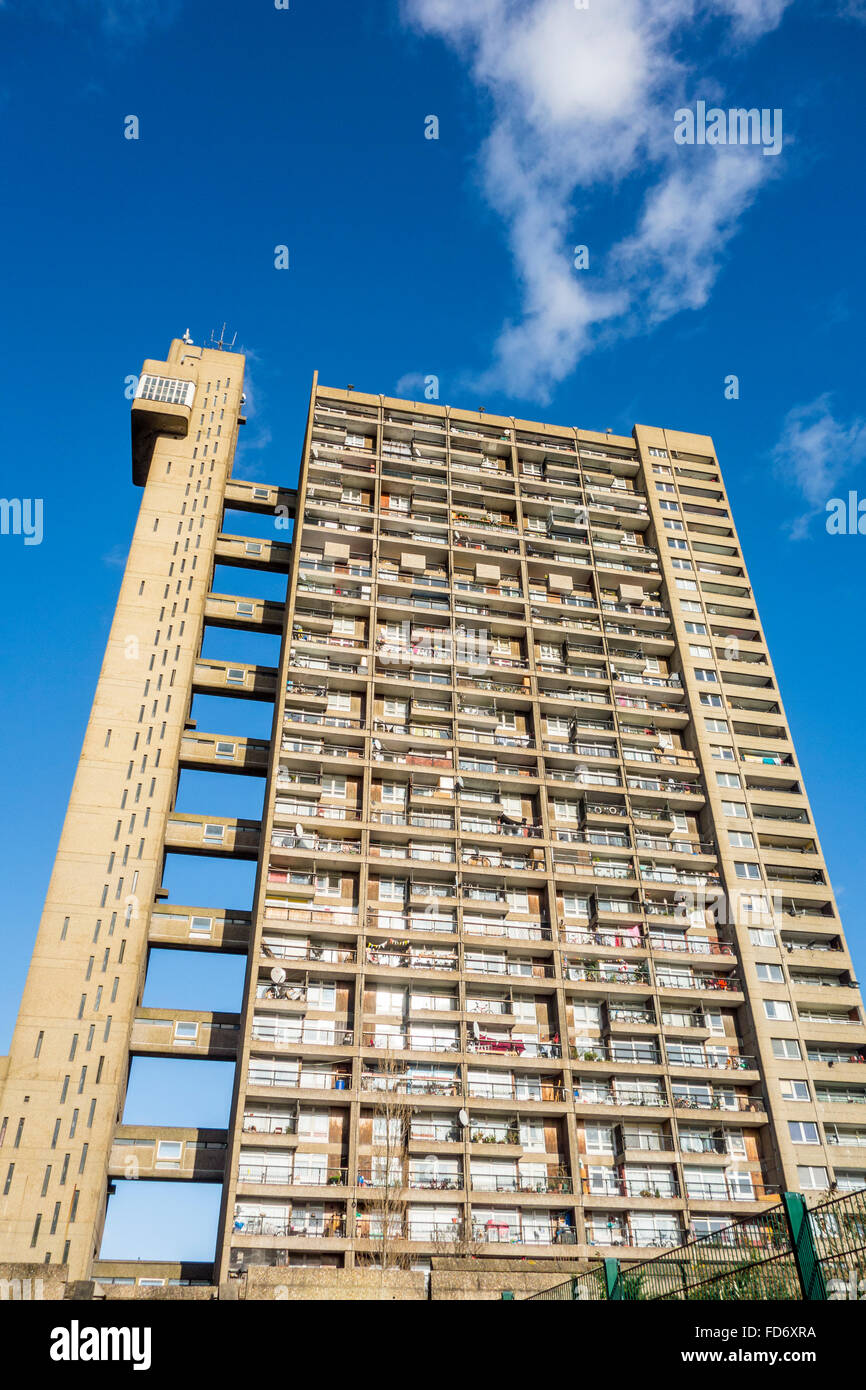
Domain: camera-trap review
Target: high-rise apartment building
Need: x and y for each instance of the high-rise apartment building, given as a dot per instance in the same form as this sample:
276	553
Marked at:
542	958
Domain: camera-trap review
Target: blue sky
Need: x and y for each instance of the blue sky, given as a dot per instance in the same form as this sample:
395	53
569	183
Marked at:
409	257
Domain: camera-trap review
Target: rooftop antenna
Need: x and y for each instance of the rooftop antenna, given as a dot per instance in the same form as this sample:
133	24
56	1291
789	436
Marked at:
222	344
187	337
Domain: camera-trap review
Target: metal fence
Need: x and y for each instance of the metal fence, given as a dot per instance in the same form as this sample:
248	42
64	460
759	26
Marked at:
838	1232
785	1253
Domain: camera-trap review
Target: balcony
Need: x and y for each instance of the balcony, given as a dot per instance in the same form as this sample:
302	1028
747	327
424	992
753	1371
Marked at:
695	946
318	951
557	1182
666	980
302	1172
279	1032
265	1078
315	1226
621	1097
594	972
614	1186
722	1103
400	955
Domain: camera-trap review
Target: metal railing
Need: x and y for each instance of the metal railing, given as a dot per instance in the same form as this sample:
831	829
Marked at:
786	1253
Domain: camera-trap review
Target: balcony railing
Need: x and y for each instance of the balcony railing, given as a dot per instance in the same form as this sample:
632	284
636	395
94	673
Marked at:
560	1183
744	1104
292	1175
323	1228
312	1033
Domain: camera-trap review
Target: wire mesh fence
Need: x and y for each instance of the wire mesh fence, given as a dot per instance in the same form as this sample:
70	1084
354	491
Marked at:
784	1253
752	1258
839	1238
559	1291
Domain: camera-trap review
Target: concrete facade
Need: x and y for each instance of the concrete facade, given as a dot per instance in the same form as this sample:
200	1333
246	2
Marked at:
541	927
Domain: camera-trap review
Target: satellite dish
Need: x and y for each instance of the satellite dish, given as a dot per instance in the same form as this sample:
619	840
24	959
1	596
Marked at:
299	830
377	743
476	1031
278	974
463	1117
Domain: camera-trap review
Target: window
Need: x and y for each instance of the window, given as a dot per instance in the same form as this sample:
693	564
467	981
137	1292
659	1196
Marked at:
727	779
352	495
392	889
812	1179
685	584
689	606
186	1033
167	389
395	709
225	750
681	564
713	701
671	525
669	506
722	753
655	453
214	833
676	544
708	676
803	1132
771	974
794	1090
786	1049
740	839
169	1153
573	905
339	699
696	629
329	885
779	1009
518	899
850	1179
344	627
599	1139
759	936
333	785
715	726
201	926
745	869
734	808
393	791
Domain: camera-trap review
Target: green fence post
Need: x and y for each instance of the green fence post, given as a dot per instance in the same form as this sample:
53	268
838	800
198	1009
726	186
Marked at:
808	1269
612	1281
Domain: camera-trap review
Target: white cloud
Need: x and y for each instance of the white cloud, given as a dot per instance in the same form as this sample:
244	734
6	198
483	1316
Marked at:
581	101
815	451
409	382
